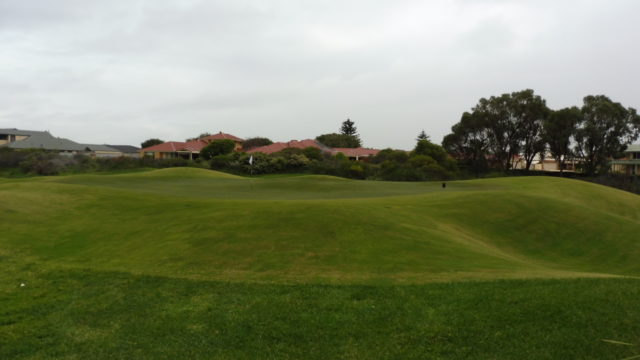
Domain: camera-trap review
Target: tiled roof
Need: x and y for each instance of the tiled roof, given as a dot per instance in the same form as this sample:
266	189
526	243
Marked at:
92	147
173	146
279	146
44	140
194	145
222	136
22	132
125	148
356	152
169	146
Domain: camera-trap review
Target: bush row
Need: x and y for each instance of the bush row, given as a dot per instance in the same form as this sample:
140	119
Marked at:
39	162
427	162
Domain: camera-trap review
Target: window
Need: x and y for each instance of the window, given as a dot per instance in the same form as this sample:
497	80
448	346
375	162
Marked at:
4	137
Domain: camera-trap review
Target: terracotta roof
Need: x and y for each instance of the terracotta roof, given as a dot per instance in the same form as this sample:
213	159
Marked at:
169	146
195	145
173	146
222	136
356	152
279	146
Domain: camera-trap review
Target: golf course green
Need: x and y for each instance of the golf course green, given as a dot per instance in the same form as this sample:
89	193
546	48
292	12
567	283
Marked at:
197	264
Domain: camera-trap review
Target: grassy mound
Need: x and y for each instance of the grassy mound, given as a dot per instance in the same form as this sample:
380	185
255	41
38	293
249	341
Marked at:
316	267
208	225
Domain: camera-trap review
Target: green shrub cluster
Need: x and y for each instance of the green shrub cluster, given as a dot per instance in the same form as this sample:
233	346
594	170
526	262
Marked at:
289	161
427	161
40	162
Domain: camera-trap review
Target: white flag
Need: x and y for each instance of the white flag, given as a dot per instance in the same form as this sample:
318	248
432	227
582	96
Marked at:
251	160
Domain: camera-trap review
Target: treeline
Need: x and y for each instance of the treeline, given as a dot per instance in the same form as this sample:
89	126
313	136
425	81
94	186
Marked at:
427	161
504	129
42	162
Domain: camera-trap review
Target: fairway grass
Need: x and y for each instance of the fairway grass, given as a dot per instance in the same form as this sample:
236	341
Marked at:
192	263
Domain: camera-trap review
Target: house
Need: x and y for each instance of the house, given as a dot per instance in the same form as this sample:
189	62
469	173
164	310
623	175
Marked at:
629	164
293	144
127	150
222	136
550	164
175	149
28	139
101	151
543	162
352	153
356	154
189	149
8	136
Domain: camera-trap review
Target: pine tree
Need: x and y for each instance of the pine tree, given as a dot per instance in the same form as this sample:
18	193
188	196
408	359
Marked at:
423	136
348	128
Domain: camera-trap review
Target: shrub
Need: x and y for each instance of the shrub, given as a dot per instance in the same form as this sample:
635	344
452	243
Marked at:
45	163
10	158
426	147
356	171
397	156
221	162
312	153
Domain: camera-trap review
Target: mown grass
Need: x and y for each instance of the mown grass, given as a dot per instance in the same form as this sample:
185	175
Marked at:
207	225
189	263
106	315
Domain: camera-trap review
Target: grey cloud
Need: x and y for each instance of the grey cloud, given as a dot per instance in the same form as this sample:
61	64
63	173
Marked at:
294	69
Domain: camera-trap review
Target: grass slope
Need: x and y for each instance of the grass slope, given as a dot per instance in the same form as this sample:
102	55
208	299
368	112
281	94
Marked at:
190	263
208	225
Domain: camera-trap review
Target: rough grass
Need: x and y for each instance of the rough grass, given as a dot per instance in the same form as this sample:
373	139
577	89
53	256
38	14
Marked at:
189	263
80	314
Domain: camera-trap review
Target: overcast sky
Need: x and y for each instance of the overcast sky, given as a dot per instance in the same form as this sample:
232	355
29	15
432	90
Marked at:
122	71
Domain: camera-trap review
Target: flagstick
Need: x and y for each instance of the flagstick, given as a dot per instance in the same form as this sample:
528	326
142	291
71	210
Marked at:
251	172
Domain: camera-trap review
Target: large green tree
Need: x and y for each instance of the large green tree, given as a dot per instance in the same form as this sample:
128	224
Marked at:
558	132
502	125
506	125
217	147
426	147
469	143
606	129
530	112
